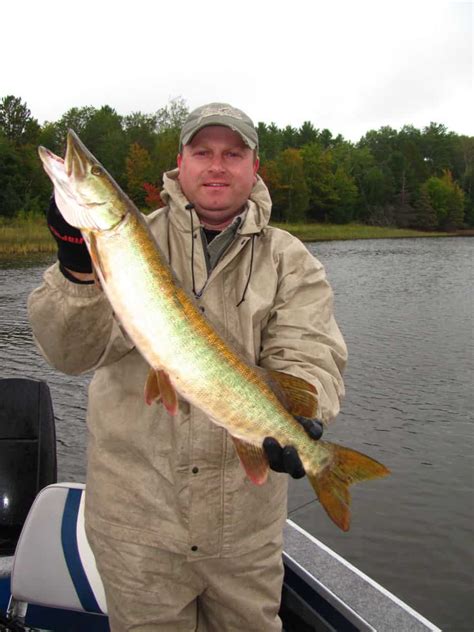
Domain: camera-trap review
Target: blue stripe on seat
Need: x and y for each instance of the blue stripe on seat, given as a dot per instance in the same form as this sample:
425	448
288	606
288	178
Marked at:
71	552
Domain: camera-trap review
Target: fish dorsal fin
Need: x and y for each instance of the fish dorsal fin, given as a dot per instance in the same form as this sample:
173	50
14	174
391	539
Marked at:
253	461
297	395
158	387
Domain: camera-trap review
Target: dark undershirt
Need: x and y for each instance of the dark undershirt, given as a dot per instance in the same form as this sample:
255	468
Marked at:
210	234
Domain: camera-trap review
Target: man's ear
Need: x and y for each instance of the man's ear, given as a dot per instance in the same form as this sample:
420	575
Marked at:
179	160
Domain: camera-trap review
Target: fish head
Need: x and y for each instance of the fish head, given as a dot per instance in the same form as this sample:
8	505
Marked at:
87	195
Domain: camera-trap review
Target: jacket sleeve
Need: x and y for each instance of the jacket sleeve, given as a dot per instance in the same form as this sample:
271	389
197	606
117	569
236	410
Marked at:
301	336
73	325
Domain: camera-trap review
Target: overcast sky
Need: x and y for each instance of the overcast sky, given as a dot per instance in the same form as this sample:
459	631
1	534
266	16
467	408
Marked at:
347	66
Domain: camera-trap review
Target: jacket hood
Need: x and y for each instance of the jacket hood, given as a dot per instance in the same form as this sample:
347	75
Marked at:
257	217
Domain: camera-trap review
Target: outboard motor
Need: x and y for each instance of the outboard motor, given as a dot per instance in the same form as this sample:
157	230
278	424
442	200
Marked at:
27	452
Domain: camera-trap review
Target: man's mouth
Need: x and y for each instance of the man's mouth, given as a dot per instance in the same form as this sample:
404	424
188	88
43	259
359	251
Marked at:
215	184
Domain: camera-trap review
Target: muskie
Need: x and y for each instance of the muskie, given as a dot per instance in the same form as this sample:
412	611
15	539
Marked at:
185	353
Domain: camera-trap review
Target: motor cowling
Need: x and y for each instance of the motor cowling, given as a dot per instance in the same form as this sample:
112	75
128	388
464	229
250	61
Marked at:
27	452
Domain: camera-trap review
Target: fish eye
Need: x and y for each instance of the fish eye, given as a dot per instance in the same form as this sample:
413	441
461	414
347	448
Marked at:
97	170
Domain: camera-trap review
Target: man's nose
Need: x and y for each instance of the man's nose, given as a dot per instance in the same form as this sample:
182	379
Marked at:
217	163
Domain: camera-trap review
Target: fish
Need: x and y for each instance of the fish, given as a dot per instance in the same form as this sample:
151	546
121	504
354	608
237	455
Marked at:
188	357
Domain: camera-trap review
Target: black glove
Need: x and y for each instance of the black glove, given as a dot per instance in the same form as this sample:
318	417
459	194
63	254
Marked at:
286	459
72	251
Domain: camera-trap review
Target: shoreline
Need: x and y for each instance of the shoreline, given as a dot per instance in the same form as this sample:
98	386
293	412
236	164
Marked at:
23	237
346	232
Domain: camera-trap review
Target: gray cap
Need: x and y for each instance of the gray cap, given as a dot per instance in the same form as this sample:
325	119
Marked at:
219	114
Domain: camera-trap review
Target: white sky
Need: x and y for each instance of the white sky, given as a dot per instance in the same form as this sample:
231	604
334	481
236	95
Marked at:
347	66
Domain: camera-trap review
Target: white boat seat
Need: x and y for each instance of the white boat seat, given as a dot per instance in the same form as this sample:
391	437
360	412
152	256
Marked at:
53	564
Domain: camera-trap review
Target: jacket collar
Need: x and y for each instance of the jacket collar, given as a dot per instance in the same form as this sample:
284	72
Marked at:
256	218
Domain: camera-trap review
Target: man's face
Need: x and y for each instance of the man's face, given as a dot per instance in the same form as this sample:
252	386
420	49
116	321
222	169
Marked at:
217	172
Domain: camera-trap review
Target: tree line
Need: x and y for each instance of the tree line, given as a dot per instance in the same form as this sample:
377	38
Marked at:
405	178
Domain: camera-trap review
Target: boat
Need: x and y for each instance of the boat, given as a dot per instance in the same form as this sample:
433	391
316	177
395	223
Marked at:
48	577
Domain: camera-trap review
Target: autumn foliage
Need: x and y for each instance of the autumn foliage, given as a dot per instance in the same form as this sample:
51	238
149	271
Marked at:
152	199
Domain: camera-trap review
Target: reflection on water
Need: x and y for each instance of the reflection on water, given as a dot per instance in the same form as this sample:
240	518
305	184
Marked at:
406	310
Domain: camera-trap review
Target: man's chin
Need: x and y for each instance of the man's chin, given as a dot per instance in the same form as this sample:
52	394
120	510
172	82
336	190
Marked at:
217	216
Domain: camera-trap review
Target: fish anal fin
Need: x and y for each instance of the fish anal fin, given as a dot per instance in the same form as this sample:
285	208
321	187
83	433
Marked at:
158	388
253	461
297	395
345	466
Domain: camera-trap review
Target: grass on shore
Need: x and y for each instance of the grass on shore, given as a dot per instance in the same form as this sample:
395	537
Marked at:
333	232
30	235
22	236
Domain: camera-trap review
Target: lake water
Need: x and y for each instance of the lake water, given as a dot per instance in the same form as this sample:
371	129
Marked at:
406	310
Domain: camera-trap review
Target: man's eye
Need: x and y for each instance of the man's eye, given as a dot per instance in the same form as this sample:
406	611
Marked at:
233	154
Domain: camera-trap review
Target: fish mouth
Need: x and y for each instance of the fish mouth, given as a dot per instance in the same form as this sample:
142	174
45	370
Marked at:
52	164
78	159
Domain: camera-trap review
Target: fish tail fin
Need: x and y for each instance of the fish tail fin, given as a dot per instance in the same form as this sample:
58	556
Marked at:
331	485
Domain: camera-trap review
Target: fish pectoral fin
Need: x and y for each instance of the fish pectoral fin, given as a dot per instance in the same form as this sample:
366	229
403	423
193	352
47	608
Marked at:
253	461
297	395
331	485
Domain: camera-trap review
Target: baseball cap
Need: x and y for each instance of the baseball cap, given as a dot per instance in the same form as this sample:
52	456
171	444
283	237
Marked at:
219	114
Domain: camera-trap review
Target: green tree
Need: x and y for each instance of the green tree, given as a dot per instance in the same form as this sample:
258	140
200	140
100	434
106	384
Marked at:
465	151
50	136
307	134
292	193
447	199
141	128
11	178
289	138
438	147
23	184
16	122
172	115
320	182
425	215
325	138
357	162
165	152
270	174
104	136
382	143
346	197
410	145
270	141
75	119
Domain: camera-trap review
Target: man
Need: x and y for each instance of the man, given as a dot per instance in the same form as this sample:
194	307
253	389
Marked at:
183	541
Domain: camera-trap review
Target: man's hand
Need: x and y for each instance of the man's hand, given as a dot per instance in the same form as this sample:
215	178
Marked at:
72	251
286	459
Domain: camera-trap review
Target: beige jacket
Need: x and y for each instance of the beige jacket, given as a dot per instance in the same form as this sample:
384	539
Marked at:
176	482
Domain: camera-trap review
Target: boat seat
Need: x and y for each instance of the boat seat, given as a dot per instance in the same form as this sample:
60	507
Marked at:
54	565
27	452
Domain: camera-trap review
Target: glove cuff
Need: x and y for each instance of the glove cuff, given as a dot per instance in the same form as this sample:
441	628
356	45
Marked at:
72	278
